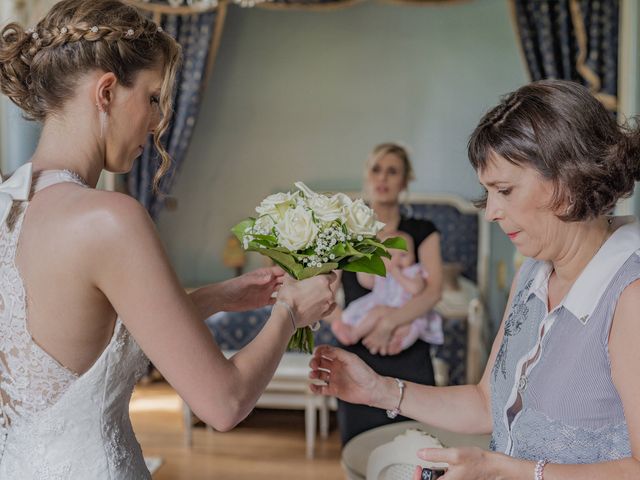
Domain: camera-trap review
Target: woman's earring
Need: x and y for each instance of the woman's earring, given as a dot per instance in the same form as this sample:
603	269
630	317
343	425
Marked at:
570	206
103	120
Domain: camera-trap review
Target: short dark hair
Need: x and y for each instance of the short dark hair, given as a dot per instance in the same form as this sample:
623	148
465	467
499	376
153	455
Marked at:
561	130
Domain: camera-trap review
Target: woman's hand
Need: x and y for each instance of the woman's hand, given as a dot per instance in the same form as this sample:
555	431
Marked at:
377	340
311	299
252	290
345	374
468	463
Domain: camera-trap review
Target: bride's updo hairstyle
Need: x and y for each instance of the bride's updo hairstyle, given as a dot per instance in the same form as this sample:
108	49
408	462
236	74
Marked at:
561	130
40	67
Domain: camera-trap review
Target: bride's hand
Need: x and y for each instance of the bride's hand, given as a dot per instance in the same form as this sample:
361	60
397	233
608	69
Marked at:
345	374
311	299
252	290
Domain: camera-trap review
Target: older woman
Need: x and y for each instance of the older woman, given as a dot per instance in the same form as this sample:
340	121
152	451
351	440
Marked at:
560	393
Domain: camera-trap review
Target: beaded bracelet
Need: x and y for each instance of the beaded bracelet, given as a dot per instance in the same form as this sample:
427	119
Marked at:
538	473
396	411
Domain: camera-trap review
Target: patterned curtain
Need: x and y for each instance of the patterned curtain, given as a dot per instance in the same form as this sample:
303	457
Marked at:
332	4
572	40
198	34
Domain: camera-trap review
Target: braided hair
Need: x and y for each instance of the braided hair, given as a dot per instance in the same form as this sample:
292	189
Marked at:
40	67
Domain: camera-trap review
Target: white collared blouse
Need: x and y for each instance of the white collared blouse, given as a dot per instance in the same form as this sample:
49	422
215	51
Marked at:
553	396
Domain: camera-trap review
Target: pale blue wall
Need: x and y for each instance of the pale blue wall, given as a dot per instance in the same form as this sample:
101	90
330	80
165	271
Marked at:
18	137
305	95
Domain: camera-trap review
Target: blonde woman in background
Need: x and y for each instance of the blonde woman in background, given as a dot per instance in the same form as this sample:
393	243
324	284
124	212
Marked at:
388	172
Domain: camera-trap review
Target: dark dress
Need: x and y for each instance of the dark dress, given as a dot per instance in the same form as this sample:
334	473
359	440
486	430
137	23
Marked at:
412	364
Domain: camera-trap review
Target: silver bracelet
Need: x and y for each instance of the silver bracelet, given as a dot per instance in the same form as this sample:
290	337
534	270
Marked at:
396	411
538	473
290	310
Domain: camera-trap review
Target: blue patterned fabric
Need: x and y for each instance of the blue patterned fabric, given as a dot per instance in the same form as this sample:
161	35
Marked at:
572	40
454	350
234	330
194	33
458	234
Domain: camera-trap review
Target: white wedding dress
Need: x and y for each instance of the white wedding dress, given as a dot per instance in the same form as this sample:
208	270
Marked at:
54	423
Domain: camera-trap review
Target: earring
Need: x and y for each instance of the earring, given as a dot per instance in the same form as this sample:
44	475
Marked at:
570	206
103	119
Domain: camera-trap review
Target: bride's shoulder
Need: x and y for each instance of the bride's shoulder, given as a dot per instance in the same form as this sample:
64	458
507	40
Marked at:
100	215
114	204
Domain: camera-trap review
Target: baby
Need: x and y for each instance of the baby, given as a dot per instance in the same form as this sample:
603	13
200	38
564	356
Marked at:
405	279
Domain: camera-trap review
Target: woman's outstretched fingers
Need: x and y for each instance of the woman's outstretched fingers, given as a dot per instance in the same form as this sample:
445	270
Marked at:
325	351
417	473
324	375
319	389
438	455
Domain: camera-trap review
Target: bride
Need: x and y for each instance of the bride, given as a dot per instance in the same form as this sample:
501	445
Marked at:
86	291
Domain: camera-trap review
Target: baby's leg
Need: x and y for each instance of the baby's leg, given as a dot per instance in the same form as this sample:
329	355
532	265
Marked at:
364	326
343	332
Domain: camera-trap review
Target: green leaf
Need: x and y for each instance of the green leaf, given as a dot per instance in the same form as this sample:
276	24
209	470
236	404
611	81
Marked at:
267	240
339	250
286	261
351	251
373	242
373	265
364	249
360	250
398	243
240	228
309	272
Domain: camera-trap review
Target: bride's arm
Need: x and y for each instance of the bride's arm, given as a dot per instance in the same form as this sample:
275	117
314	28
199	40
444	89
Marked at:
126	261
246	292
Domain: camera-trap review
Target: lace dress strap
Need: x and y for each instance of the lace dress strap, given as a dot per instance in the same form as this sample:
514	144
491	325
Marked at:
46	178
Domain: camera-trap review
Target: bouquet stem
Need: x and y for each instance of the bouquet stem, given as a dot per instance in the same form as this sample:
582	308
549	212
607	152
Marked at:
302	340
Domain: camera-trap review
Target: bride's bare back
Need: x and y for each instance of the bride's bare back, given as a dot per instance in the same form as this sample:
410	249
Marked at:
67	315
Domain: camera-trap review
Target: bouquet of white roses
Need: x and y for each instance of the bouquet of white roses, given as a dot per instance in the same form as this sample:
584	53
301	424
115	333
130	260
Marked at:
308	234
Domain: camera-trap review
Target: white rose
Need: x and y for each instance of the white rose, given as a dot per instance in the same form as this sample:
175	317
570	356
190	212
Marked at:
263	225
297	230
277	204
327	209
344	200
361	220
306	190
